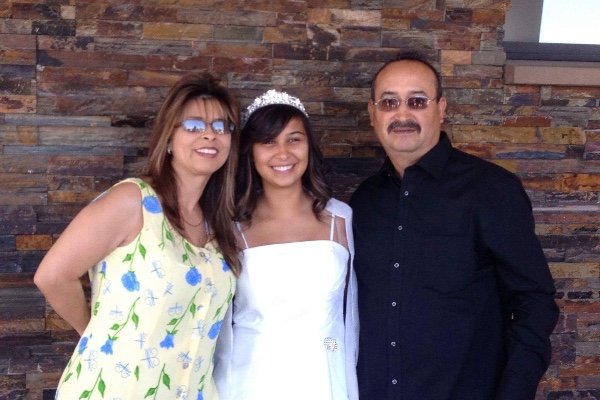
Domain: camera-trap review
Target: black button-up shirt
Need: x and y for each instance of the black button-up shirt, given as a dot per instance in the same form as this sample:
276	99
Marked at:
455	296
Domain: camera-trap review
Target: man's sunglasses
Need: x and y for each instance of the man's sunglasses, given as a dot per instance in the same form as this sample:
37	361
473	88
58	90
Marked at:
393	103
198	125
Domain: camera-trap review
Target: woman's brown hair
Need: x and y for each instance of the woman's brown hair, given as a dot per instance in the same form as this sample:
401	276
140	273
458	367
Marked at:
217	201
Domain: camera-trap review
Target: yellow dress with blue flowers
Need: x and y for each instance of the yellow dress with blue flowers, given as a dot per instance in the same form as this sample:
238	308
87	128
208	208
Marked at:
157	307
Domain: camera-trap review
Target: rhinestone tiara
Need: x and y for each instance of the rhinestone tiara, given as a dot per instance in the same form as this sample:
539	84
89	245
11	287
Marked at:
274	97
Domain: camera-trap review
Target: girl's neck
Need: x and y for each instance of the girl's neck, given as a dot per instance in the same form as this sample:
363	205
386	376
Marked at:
283	203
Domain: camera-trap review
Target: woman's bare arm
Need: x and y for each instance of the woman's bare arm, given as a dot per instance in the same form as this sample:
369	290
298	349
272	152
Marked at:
110	221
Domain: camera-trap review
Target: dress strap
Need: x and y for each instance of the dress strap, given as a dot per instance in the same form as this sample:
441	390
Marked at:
332	227
239	228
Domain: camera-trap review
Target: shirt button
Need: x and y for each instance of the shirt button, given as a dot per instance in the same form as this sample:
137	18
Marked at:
393	344
394	381
396	265
393	304
406	193
400	227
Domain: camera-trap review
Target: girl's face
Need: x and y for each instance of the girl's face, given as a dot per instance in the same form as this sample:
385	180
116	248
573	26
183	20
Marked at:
282	161
201	140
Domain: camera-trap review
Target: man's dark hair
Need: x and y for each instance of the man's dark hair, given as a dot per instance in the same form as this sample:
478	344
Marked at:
411	56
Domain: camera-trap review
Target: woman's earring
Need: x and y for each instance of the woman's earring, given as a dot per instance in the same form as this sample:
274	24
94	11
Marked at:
169	149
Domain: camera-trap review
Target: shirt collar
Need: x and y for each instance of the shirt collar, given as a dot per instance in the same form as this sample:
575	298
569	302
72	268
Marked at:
433	162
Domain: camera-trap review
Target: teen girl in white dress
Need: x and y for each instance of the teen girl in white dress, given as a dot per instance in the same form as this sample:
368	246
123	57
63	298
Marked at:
294	328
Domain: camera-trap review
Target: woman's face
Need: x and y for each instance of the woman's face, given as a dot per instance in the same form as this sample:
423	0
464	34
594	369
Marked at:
282	161
201	140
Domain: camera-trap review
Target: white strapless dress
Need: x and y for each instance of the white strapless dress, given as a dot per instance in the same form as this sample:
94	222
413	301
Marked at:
288	323
285	337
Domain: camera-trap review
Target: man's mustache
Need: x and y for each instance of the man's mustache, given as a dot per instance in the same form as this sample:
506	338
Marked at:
404	124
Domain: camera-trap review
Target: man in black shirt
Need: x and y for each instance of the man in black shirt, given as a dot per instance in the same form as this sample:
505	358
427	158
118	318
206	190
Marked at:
455	295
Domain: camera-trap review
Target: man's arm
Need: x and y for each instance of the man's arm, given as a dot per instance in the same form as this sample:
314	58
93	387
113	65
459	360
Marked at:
508	231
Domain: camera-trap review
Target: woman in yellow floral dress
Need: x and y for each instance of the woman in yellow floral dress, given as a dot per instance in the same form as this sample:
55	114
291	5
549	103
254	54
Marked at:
161	256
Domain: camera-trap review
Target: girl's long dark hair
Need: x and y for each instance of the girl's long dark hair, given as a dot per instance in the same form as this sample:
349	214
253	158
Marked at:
263	125
217	201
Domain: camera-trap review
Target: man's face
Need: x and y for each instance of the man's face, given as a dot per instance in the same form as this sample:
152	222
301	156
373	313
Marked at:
407	134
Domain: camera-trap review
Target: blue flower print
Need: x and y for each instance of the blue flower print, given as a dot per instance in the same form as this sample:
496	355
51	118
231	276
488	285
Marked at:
103	268
193	277
225	265
107	347
215	329
83	344
151	204
167	342
200	395
130	281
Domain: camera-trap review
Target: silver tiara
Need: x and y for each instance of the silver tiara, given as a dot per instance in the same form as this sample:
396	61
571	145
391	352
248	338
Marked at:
274	97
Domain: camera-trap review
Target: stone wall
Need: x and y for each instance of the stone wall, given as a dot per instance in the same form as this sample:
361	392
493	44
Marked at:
80	81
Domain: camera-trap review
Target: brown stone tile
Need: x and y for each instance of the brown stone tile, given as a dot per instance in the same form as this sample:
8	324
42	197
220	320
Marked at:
55	79
12	386
238	33
501	5
572	306
361	37
175	31
461	16
528	121
33	242
488	17
563	135
455	57
581	370
122	29
21	135
14	26
494	134
285	33
35	10
17	103
241	50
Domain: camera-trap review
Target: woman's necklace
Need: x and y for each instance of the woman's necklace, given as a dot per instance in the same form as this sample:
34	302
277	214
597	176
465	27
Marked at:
190	224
